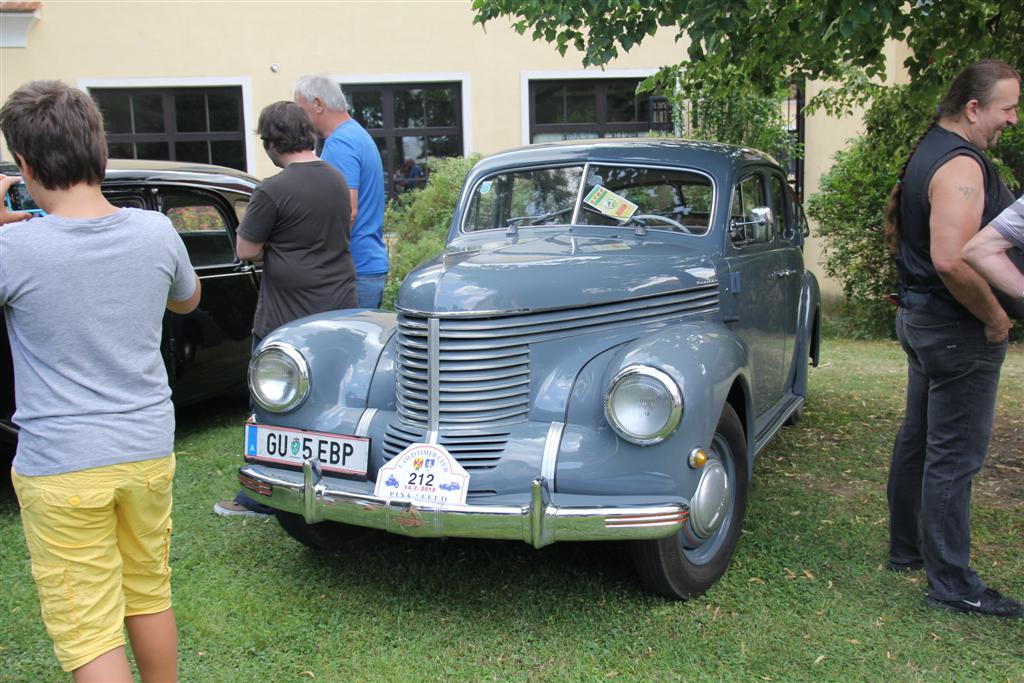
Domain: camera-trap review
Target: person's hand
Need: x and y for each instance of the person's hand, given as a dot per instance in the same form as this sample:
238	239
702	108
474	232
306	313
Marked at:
6	183
999	331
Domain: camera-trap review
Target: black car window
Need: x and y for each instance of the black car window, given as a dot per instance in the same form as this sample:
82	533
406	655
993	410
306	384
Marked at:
203	228
126	201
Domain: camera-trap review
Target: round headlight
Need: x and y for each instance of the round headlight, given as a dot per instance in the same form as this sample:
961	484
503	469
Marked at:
278	377
643	405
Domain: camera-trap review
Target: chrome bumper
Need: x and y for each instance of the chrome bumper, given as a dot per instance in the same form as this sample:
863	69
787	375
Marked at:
539	522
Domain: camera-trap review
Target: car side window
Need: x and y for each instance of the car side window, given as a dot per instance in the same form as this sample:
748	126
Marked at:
203	228
749	209
780	215
126	201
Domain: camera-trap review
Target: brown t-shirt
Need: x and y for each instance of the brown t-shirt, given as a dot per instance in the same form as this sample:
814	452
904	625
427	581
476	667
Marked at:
301	215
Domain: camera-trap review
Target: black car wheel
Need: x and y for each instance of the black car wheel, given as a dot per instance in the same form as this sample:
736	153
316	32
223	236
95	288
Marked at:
680	569
323	535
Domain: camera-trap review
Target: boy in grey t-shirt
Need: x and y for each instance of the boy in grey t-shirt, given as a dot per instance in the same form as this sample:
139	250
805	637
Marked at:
83	291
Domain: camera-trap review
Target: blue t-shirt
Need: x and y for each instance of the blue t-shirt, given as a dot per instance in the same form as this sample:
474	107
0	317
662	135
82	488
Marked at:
351	150
84	304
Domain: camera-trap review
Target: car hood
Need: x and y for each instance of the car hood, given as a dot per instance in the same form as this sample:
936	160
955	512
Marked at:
552	271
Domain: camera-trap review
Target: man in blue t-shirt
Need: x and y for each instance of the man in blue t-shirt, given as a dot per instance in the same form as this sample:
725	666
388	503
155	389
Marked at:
351	150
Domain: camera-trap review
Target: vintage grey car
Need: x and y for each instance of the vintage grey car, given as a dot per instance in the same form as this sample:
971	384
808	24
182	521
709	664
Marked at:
613	332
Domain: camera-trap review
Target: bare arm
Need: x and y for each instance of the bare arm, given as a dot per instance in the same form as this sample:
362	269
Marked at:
246	250
189	304
354	197
986	253
957	198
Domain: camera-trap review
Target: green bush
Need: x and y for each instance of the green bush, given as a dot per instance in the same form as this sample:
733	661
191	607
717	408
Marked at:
417	222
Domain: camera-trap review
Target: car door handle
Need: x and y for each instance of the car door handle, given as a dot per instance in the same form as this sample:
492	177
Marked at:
245	267
788	272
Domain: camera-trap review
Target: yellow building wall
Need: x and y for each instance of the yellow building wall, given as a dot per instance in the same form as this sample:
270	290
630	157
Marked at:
264	47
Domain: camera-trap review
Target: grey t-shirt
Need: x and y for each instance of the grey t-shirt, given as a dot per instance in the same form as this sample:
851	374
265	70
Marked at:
1010	223
84	302
301	215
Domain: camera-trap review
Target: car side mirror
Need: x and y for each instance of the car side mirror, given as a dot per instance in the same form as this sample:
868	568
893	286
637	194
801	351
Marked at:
754	230
761	218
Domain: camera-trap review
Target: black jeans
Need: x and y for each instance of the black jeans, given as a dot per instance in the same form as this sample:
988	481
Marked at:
952	378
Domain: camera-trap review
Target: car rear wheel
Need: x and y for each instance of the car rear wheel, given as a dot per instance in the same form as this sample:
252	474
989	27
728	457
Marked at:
323	535
678	567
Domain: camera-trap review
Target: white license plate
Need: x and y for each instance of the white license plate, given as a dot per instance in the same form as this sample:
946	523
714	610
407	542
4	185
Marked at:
345	455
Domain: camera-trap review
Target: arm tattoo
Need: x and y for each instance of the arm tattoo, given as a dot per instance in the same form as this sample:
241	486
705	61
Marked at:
967	191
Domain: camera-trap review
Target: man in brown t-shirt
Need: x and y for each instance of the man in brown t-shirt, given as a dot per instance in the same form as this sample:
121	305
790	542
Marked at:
298	223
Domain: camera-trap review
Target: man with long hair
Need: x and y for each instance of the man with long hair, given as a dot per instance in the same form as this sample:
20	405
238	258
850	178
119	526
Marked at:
954	332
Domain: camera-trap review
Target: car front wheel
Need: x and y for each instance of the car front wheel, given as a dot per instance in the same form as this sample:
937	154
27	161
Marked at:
323	535
678	567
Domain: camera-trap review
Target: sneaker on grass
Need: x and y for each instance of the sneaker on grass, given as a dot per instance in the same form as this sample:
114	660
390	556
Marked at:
230	508
991	602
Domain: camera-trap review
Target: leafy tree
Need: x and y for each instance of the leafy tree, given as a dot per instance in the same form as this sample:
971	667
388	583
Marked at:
767	43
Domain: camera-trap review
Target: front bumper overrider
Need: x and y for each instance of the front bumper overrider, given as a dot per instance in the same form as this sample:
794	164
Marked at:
541	520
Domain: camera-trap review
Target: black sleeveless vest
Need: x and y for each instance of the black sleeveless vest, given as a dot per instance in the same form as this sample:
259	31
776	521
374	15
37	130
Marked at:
913	252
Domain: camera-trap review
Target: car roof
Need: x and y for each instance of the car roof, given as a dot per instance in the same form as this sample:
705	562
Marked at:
135	171
710	156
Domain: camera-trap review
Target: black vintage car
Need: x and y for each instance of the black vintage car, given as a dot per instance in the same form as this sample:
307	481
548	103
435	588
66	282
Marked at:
206	351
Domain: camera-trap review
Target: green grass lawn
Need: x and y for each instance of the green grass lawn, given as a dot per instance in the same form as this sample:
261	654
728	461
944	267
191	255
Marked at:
806	597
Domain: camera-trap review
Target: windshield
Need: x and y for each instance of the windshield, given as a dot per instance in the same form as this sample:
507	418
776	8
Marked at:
655	198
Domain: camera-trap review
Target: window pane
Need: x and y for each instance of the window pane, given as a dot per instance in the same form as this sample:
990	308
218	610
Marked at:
152	150
116	108
410	148
622	102
120	150
409	108
196	150
440	104
677	201
190	112
444	146
367	107
230	153
527	198
225	110
581	103
549	103
148	109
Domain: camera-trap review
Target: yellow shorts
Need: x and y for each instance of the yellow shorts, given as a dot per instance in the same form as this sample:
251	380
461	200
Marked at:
99	541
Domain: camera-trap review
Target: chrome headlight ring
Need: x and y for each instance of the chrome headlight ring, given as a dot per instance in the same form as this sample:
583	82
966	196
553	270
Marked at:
278	377
648	393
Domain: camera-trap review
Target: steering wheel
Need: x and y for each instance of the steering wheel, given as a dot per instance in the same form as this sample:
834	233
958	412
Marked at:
664	219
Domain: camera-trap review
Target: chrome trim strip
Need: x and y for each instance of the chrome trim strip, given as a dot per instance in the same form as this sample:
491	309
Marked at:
549	461
511	312
539	520
363	426
433	374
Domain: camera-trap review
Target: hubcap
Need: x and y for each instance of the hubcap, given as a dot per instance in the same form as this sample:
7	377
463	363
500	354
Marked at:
709	504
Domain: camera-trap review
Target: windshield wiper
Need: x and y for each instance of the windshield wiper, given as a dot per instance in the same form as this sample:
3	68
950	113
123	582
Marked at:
514	221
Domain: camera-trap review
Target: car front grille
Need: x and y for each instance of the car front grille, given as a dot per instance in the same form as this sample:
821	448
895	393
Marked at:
468	377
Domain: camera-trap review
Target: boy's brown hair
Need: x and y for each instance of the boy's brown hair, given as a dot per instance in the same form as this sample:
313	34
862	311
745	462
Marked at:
287	127
57	131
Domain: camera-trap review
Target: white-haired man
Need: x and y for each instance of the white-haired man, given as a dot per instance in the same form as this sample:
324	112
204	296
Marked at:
351	150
